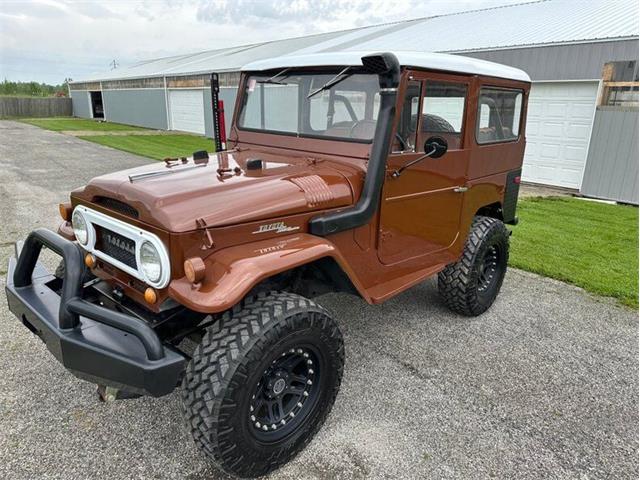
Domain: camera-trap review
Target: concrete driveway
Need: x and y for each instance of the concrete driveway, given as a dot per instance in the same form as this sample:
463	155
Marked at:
544	385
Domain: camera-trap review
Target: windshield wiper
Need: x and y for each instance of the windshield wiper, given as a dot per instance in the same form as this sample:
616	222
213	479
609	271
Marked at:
334	81
273	80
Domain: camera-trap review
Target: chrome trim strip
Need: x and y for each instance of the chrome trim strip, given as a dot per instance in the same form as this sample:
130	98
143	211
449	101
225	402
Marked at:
157	173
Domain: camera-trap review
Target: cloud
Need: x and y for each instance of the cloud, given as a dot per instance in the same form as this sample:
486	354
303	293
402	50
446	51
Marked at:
48	40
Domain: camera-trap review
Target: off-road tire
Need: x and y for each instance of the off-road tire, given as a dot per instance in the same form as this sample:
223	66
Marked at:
436	124
462	284
231	361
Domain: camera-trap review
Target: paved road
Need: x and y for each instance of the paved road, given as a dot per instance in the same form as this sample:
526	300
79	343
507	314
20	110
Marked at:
543	386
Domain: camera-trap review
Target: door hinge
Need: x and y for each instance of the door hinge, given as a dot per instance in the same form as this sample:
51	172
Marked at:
460	189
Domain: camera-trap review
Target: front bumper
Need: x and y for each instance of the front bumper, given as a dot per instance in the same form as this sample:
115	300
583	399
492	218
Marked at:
95	343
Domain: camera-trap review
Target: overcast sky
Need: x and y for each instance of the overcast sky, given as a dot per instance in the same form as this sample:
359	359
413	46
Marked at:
49	40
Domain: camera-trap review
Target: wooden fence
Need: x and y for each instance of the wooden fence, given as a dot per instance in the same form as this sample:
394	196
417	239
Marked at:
35	107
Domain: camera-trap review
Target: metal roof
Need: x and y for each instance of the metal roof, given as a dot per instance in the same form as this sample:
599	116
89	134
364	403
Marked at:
434	61
544	22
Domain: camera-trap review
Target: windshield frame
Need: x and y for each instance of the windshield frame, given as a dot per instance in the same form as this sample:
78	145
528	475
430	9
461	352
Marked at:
328	70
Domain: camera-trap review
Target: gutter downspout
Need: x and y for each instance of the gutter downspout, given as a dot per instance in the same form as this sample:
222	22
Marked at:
386	65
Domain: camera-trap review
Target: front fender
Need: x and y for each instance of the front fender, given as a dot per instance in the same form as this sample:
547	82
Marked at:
232	272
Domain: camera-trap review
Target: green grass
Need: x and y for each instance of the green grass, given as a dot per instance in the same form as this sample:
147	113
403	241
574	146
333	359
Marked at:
589	244
59	124
155	146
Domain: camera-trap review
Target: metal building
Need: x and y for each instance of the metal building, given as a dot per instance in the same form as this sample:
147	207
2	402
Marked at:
582	56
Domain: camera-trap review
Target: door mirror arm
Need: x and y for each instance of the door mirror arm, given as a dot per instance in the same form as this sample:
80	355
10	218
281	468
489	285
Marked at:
434	147
398	172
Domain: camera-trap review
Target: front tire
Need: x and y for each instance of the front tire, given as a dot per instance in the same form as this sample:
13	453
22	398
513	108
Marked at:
262	382
470	286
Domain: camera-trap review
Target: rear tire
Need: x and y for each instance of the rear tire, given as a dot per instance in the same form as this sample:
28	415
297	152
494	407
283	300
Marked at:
470	286
262	382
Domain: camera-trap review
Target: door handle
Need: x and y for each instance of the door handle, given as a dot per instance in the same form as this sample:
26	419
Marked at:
460	189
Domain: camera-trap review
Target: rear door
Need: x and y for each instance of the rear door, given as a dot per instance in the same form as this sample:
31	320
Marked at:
420	209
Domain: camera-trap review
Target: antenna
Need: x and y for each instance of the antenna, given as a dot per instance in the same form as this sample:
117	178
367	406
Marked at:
114	64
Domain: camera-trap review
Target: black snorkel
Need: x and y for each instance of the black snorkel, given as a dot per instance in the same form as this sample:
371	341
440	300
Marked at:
387	67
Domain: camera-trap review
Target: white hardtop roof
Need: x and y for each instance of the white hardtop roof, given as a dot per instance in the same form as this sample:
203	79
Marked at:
427	60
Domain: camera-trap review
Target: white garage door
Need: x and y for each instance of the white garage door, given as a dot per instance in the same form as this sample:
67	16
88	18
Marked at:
187	110
558	129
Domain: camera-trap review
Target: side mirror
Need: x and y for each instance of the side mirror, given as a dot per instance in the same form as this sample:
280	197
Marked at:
435	147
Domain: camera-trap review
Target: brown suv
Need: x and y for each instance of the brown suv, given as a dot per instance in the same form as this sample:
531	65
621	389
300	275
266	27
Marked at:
345	172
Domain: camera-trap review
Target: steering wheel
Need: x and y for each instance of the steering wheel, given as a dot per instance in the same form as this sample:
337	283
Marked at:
361	123
402	142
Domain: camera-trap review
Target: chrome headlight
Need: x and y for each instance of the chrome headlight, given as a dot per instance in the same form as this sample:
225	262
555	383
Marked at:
79	227
150	262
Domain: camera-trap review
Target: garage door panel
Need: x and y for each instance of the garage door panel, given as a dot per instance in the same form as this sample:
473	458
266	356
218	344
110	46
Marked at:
552	129
559	122
550	151
556	109
187	110
575	153
578	132
581	111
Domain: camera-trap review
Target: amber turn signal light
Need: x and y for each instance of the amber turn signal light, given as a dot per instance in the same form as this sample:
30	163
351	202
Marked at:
194	269
65	210
89	260
150	296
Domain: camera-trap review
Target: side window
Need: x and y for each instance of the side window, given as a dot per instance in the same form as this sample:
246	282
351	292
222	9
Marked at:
443	112
405	138
499	112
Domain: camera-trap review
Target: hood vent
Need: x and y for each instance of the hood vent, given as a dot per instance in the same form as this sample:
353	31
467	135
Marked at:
116	206
316	191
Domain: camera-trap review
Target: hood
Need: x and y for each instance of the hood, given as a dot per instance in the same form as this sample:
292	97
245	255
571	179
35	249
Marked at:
225	190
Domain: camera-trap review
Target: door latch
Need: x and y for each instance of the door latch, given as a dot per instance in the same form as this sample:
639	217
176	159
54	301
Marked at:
460	189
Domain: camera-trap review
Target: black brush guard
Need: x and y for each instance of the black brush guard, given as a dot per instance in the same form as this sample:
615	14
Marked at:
95	343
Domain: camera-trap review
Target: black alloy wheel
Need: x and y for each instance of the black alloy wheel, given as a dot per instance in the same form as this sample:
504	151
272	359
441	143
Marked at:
285	394
262	382
489	268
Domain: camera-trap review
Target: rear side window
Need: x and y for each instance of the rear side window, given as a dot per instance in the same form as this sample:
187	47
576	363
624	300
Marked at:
499	112
443	112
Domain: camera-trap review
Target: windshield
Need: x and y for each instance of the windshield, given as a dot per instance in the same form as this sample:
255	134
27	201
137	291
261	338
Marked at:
280	102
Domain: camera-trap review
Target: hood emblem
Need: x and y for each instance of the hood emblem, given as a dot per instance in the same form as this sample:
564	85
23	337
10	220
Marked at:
278	227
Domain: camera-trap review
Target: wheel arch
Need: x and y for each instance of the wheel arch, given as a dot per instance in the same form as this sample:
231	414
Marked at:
292	262
492	210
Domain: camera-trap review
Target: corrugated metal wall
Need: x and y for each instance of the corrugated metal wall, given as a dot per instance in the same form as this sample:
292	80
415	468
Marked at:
80	102
612	164
142	107
563	62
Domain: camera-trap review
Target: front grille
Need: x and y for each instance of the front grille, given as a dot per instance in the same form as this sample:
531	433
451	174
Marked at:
117	206
116	246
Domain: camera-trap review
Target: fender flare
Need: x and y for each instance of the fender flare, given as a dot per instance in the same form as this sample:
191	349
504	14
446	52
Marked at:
232	272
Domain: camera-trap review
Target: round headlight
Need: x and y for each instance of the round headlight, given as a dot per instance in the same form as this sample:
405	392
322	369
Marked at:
150	262
79	227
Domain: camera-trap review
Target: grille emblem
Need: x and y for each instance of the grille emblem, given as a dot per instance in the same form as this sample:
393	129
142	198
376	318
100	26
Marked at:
127	246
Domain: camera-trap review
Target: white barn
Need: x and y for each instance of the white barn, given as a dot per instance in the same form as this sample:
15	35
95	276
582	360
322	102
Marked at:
582	56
